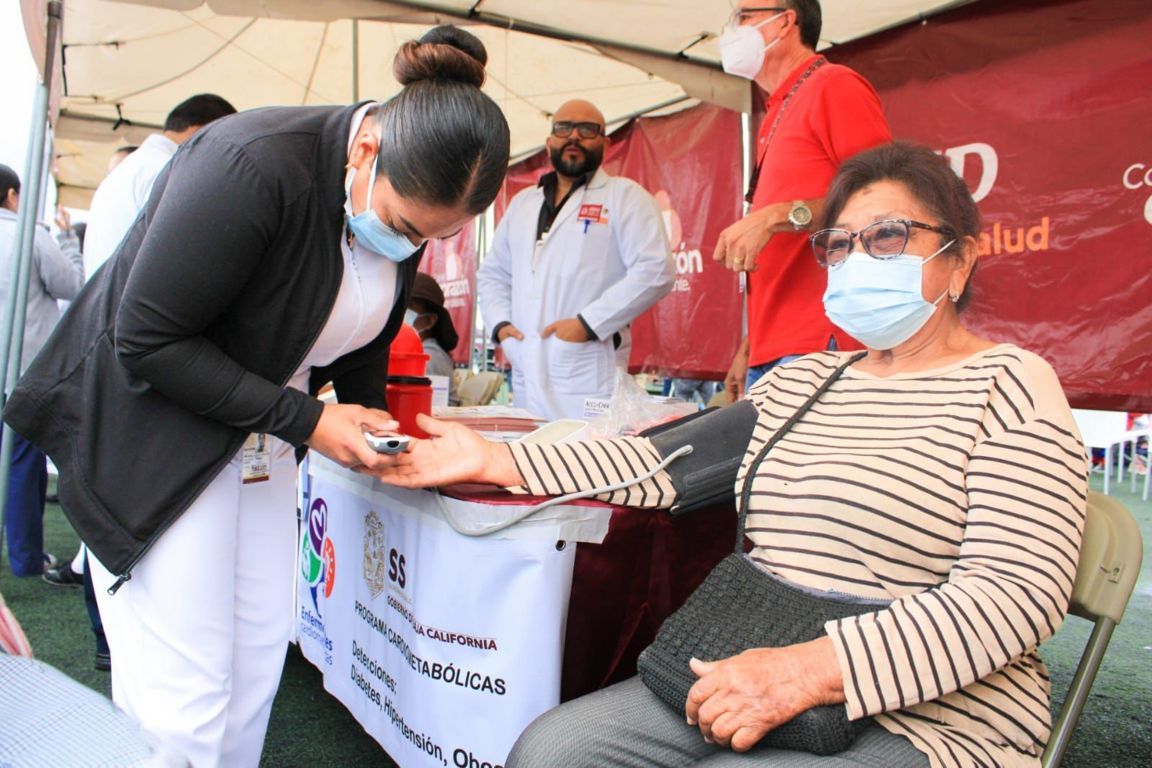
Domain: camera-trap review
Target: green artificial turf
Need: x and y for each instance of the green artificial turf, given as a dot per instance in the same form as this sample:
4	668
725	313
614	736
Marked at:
310	729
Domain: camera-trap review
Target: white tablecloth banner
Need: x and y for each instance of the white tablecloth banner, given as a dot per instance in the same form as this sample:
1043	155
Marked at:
444	647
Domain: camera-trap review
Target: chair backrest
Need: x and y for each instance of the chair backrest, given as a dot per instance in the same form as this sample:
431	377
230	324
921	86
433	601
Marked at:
1110	558
1099	429
1109	566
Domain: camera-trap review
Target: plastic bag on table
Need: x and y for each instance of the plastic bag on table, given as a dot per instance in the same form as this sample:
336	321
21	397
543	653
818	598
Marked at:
633	410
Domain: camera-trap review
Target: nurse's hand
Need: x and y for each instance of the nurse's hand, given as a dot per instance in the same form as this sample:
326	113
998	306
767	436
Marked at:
452	454
568	329
740	244
339	434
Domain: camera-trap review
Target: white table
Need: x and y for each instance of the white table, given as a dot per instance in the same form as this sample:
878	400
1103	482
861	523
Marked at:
443	647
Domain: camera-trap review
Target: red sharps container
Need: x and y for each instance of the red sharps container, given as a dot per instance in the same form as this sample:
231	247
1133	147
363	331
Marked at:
408	390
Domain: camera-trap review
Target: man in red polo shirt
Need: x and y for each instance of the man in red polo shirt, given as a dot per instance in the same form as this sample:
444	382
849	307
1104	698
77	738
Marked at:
818	114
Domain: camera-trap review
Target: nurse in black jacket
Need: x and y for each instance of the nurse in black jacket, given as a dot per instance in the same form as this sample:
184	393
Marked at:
276	254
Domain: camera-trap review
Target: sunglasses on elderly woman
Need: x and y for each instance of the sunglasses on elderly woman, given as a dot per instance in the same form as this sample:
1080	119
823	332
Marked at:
563	129
885	239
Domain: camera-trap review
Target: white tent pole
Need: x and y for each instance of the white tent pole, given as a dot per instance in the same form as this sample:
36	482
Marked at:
478	358
49	152
355	60
34	172
746	148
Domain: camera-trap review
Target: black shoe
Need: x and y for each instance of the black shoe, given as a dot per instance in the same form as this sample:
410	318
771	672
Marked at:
63	576
103	661
52	498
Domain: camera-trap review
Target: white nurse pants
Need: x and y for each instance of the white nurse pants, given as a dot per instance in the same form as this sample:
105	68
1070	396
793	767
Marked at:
198	634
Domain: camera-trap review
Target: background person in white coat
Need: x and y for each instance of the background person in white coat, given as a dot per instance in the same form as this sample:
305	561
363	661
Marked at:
575	259
124	191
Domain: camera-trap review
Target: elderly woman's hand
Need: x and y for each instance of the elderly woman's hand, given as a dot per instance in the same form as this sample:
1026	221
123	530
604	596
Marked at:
452	454
739	699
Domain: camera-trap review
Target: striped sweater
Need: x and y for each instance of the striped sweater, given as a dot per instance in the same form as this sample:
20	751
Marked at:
959	493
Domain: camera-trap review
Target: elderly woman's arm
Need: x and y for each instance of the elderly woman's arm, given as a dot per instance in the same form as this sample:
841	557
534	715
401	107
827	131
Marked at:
457	454
681	465
552	470
1007	591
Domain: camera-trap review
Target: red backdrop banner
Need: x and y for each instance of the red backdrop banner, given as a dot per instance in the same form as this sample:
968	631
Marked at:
1045	108
452	263
690	162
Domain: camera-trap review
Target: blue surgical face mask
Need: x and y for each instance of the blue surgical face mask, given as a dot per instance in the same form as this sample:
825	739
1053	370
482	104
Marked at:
879	301
372	233
411	316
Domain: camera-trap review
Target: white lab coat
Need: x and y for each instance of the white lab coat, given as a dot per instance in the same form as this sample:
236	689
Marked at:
120	198
608	265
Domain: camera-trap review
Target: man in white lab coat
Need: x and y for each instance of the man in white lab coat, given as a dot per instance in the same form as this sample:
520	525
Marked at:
574	260
124	191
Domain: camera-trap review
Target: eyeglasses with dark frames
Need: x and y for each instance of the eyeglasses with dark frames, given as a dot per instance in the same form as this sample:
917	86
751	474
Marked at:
885	239
562	129
741	15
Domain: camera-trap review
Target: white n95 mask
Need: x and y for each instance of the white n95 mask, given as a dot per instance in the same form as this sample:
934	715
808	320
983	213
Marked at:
742	49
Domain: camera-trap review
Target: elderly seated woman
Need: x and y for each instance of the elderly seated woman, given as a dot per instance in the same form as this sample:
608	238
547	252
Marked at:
941	474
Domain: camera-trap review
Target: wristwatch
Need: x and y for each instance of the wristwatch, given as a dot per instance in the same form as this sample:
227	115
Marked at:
800	216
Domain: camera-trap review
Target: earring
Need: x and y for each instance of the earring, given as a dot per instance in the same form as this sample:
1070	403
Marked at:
954	296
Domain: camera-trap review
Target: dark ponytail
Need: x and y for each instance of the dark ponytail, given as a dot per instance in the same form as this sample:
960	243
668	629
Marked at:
442	140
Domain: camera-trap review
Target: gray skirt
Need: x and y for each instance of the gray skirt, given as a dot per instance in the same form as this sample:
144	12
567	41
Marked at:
628	726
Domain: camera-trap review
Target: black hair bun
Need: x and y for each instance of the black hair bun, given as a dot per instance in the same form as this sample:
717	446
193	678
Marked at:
442	53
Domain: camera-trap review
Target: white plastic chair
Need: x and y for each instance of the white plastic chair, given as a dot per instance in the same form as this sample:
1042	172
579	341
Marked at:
1105	576
1103	429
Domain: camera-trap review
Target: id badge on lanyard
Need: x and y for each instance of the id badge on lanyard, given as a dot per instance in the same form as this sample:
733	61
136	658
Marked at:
256	466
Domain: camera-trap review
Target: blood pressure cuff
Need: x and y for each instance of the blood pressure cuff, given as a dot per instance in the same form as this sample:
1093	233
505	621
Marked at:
719	438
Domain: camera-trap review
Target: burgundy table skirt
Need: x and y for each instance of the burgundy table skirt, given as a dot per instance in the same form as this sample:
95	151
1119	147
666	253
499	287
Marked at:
624	588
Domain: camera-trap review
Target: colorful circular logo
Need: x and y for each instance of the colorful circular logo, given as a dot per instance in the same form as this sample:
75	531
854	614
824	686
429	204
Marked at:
318	553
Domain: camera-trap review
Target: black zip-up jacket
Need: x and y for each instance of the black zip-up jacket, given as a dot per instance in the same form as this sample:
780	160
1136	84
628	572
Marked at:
183	342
